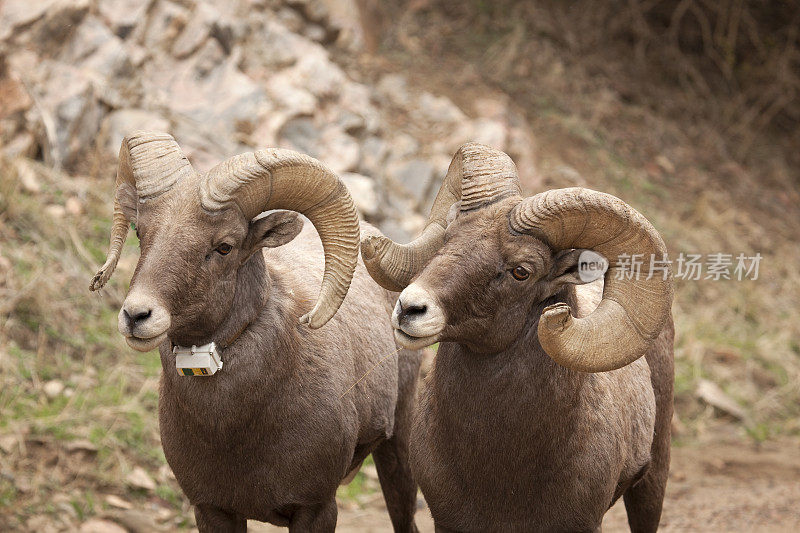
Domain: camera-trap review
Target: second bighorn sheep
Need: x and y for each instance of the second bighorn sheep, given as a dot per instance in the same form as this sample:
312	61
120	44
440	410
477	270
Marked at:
539	411
272	434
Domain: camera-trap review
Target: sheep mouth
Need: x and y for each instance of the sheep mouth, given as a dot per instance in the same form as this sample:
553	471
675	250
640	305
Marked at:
411	342
145	344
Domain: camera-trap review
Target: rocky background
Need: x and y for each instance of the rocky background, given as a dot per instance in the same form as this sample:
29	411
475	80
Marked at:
228	78
384	93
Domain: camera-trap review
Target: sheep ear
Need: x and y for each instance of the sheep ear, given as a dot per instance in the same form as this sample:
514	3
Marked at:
571	267
271	231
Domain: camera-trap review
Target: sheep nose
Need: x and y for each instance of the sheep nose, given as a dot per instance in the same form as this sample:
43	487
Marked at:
410	309
135	315
417	314
143	317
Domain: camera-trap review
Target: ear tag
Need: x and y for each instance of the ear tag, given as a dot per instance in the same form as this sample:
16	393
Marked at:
198	360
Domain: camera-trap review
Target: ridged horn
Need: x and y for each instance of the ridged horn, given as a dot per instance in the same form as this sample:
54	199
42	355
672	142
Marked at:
283	179
633	309
149	164
478	175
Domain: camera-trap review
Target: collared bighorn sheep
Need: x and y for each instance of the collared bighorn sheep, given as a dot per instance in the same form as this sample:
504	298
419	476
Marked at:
273	433
532	419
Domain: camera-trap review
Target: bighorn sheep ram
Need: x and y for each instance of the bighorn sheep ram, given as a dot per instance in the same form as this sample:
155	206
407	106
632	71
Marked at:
274	432
506	438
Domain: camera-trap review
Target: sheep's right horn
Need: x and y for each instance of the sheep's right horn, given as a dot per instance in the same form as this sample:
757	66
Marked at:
635	304
149	164
478	176
283	179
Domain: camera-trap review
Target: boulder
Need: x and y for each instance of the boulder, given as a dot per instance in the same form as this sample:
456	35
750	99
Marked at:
18	14
364	193
122	16
413	177
121	122
328	143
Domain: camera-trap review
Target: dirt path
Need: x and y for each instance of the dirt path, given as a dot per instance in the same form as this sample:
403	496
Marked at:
715	487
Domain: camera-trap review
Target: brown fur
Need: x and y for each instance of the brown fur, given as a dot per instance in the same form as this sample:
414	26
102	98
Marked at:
505	439
271	435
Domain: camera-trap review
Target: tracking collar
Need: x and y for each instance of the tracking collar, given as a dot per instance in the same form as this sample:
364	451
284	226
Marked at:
204	360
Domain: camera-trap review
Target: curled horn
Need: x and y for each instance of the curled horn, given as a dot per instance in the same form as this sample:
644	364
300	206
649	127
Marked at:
478	175
633	309
283	179
149	165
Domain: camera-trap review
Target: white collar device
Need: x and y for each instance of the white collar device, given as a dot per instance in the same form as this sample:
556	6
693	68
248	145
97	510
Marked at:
198	360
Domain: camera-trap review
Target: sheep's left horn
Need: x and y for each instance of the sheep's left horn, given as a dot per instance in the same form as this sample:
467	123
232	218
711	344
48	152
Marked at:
635	305
149	165
283	179
478	176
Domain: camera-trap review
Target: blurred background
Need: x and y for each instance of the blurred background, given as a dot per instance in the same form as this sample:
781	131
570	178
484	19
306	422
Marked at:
686	109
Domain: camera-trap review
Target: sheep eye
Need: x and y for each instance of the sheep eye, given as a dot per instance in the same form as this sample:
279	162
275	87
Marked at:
224	249
520	273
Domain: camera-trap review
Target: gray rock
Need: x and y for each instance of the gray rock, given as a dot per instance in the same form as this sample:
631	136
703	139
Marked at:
364	193
374	151
53	388
301	134
164	23
351	123
202	146
438	110
340	17
196	31
26	173
315	32
70	103
414	177
272	46
491	132
123	15
393	88
393	228
209	89
711	393
205	22
292	99
23	144
491	107
121	122
316	73
403	146
291	19
356	99
136	521
522	149
16	14
312	10
95	48
338	150
97	525
60	20
329	143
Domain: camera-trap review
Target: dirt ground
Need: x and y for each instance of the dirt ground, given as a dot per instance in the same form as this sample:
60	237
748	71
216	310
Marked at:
715	487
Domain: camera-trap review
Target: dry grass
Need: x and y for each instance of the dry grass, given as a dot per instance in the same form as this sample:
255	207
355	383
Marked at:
66	451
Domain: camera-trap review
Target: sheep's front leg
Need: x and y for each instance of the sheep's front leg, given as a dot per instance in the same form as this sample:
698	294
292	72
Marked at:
211	519
315	519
